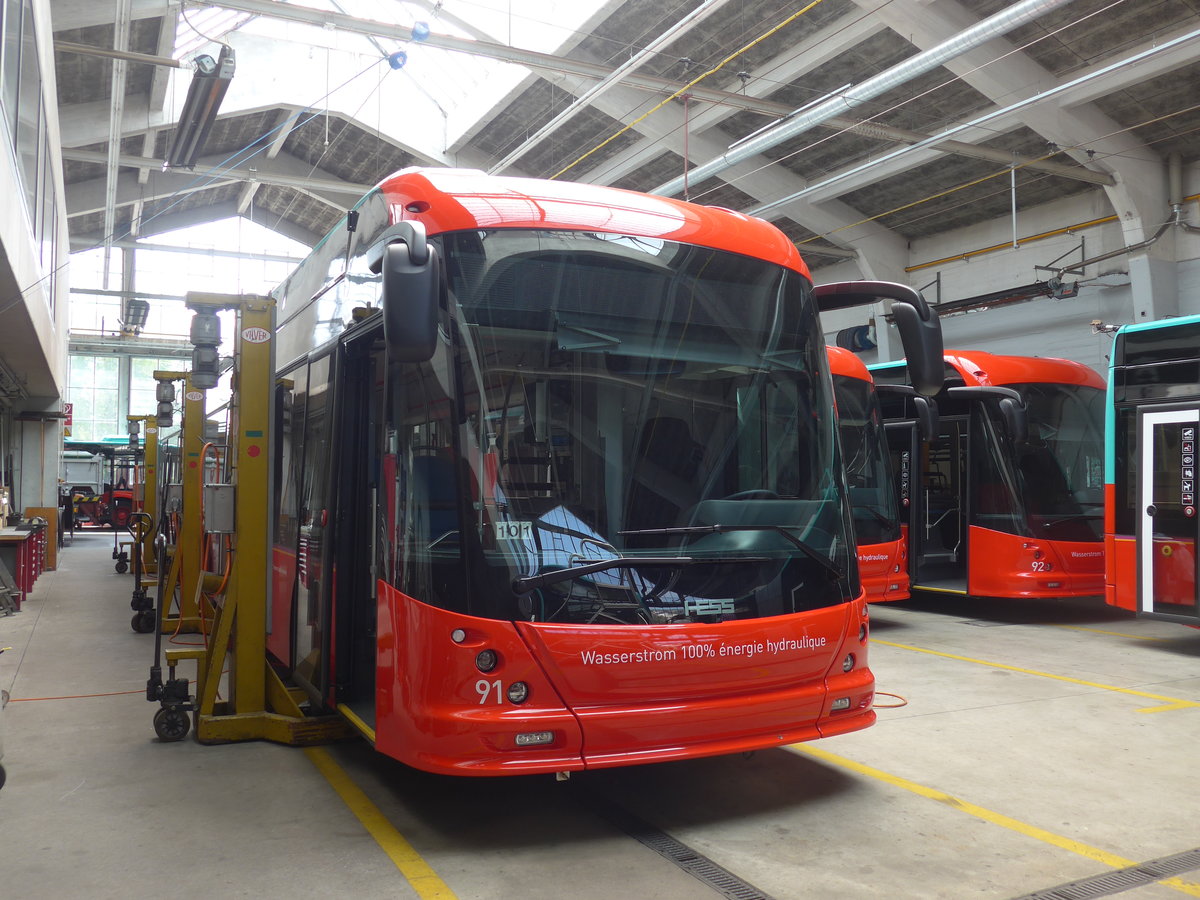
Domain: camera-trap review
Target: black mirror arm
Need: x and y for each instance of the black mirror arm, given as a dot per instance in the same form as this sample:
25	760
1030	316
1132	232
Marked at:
919	327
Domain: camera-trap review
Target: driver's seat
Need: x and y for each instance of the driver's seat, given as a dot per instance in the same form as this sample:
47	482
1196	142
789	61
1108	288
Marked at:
664	477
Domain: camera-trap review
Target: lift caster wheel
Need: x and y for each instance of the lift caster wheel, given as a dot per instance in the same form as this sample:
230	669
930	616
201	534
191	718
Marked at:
171	724
122	567
143	622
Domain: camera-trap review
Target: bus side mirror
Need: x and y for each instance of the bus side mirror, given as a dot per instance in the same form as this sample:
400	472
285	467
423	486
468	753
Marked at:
919	327
1011	403
411	290
1015	420
927	417
921	334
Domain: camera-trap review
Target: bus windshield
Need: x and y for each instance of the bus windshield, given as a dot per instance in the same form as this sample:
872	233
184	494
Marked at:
1062	462
619	430
864	450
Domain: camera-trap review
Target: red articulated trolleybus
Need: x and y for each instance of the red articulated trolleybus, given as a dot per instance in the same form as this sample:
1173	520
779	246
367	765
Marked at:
566	492
1006	500
1150	470
881	534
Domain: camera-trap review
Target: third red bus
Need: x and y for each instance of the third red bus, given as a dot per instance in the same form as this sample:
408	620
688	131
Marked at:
1007	498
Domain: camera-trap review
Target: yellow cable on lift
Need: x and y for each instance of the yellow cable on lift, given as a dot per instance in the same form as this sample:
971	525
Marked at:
758	40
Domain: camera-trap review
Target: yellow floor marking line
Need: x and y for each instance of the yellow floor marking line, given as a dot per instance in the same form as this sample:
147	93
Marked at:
1124	634
1049	837
1169	702
420	874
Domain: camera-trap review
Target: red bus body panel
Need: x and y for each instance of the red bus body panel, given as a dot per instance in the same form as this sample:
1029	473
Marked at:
1008	565
283	577
1121	582
883	570
1120	558
462	199
610	695
844	362
1175	572
980	368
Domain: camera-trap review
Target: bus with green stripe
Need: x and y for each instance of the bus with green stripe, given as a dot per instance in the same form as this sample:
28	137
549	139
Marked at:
1151	521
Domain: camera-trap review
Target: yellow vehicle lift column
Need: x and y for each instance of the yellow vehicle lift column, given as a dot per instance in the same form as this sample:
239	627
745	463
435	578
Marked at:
260	706
143	525
149	487
185	570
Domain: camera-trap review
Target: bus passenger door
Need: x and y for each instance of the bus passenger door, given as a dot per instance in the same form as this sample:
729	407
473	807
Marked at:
310	618
1167	523
904	450
938	547
357	448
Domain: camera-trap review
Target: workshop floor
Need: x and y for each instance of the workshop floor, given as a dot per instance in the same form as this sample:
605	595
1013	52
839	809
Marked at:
1018	747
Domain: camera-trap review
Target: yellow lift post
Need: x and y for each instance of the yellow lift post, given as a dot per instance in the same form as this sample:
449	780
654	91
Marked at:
184	569
126	545
149	486
260	706
142	524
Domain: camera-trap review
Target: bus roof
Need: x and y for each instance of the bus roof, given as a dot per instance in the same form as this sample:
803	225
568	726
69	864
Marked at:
846	363
462	199
1159	323
978	367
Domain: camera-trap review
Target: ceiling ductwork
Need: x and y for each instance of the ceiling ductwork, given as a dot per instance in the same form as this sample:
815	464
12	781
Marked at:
992	27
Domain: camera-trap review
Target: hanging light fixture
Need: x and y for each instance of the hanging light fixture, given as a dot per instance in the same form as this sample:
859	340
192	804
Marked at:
209	84
134	321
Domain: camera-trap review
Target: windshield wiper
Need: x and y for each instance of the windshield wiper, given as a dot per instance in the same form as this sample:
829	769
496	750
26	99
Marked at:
781	530
527	583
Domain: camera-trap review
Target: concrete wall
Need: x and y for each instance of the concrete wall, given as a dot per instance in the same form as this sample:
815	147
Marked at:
33	310
1160	280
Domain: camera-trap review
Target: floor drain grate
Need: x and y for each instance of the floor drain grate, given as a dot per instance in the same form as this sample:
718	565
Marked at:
1121	880
695	864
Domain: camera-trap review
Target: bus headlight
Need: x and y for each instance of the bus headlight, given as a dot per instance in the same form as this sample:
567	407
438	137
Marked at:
848	662
485	660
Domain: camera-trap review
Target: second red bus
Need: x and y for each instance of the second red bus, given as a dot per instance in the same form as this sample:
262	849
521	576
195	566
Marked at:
1007	498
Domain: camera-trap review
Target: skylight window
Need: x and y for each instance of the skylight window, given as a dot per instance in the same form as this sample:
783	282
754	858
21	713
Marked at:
198	28
457	88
